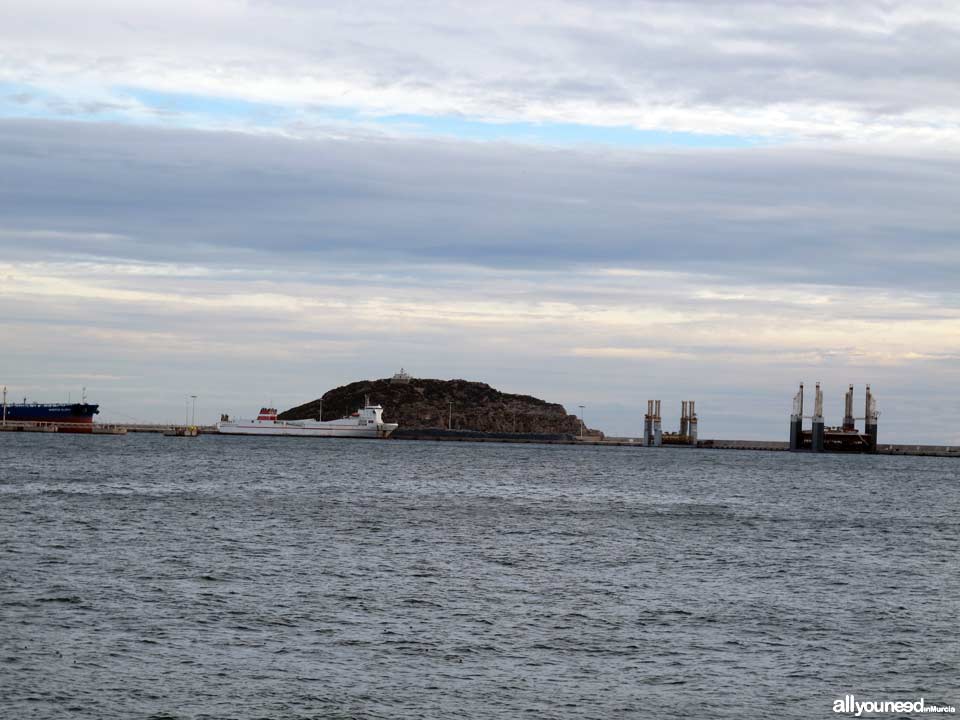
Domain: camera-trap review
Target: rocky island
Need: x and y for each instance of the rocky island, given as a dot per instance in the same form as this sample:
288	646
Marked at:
459	406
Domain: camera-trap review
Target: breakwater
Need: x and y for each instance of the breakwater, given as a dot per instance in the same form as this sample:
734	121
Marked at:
96	428
927	450
888	449
476	435
437	434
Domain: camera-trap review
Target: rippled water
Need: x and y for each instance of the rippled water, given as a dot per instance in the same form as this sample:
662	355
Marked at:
144	576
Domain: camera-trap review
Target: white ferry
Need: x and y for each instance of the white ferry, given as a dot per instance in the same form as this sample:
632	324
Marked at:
365	423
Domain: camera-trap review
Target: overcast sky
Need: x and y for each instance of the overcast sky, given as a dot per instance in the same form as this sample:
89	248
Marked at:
596	203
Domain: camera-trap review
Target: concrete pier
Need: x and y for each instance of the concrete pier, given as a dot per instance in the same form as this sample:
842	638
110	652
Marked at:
951	451
13	426
90	429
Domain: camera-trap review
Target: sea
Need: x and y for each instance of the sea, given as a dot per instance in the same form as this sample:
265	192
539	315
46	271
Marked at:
143	576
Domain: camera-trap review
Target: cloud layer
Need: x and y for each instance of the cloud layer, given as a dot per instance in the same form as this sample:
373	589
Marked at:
813	70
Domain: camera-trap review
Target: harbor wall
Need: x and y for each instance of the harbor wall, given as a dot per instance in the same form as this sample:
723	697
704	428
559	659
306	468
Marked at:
928	450
889	449
743	445
551	439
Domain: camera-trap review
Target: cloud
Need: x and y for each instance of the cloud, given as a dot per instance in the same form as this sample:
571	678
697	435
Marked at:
784	215
857	71
630	352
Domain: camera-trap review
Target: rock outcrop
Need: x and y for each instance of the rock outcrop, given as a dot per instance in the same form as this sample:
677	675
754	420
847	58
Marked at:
460	404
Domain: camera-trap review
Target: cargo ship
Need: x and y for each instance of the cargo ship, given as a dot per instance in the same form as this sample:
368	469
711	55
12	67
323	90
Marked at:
365	423
68	417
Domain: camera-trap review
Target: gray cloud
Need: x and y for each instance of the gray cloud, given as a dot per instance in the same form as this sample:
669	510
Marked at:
778	215
810	69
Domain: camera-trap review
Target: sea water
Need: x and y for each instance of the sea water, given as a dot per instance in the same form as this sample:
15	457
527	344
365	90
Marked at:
233	577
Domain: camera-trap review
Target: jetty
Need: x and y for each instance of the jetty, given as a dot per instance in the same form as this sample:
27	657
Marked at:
165	428
103	428
64	427
952	451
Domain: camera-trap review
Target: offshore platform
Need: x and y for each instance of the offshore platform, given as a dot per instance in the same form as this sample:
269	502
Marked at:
653	435
846	438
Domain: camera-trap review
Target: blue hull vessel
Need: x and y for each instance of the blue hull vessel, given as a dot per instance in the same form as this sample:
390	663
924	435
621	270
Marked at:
70	416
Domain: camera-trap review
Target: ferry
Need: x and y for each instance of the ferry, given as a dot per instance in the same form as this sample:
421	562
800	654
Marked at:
365	423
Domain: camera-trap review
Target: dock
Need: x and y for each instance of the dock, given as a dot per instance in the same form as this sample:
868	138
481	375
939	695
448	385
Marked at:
775	446
168	427
54	427
98	428
924	450
762	445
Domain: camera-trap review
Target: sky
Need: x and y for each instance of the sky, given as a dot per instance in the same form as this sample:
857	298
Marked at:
597	203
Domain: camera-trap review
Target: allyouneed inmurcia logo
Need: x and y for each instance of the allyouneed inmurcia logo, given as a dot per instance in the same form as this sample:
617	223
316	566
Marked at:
849	704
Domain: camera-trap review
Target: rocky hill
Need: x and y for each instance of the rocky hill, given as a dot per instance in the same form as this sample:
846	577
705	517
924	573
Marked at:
425	403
